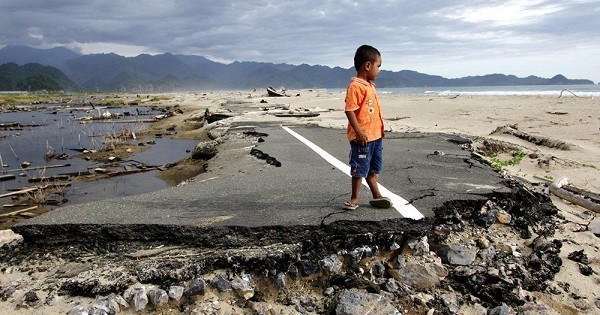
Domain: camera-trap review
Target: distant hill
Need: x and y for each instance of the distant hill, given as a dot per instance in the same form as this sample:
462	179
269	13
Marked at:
168	72
33	77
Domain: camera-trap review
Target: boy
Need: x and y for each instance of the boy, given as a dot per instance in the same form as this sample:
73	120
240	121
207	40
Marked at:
365	128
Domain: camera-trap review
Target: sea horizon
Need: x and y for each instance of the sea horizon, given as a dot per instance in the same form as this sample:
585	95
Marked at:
584	90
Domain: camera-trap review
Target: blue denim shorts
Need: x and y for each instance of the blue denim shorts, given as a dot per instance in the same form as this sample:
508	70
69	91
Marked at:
366	160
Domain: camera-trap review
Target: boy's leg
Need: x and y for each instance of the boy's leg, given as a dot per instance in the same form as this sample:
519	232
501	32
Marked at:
356	185
376	166
372	182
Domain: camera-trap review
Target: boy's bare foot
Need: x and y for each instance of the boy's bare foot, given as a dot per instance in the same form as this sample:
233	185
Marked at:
382	202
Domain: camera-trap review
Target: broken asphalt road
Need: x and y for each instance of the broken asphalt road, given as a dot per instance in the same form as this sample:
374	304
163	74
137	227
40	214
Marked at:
266	186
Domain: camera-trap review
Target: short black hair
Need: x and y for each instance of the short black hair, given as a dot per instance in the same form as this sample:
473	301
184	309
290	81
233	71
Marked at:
363	54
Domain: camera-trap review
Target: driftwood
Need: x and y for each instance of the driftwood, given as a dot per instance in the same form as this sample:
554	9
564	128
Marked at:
150	252
547	142
561	92
274	93
23	191
10	214
48	178
558	188
7	177
38	167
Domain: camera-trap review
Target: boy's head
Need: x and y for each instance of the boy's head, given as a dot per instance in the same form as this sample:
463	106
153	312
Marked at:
364	54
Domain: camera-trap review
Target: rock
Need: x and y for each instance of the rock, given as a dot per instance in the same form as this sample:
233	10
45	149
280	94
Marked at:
218	132
537	308
120	300
378	270
78	310
52	299
243	286
355	303
139	298
483	243
502	310
71	270
293	272
457	254
487	254
390	285
594	226
222	284
205	150
452	302
417	247
30	298
579	256
307	268
585	269
420	276
197	287
176	292
105	306
280	280
158	297
356	255
331	263
7	236
476	309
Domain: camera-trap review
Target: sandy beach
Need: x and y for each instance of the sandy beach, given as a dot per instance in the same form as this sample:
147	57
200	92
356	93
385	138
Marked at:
569	126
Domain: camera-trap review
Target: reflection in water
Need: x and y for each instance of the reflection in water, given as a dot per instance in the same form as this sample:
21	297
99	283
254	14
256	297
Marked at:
63	133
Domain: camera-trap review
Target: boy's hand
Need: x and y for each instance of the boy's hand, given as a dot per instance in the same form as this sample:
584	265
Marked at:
361	138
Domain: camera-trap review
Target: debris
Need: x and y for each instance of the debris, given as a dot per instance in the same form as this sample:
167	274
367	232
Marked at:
7	177
556	188
150	252
273	93
551	143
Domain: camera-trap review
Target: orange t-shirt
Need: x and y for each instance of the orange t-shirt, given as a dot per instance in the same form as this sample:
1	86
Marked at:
361	98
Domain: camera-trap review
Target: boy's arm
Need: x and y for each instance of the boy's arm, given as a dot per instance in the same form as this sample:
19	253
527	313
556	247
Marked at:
361	138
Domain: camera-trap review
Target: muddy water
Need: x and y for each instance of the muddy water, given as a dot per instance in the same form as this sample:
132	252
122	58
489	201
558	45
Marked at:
60	130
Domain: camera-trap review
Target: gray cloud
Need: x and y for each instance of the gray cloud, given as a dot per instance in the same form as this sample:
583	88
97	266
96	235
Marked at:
450	38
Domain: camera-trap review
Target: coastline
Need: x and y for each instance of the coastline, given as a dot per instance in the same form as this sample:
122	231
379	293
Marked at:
568	119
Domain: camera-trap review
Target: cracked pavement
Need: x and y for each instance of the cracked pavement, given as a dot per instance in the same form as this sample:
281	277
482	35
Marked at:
279	190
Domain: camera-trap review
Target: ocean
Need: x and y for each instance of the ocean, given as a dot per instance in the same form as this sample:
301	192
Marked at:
588	90
584	90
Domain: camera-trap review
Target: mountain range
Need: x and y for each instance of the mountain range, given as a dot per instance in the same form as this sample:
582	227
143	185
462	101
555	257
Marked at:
169	72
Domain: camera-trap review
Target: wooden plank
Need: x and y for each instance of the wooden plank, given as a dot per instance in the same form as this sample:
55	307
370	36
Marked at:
7	177
48	178
10	214
38	167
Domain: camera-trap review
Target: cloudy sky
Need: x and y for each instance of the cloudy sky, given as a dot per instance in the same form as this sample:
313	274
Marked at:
452	38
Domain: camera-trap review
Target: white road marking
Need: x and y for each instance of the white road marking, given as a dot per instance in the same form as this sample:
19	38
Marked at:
400	204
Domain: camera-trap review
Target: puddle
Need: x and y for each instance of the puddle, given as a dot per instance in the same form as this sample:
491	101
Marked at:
27	136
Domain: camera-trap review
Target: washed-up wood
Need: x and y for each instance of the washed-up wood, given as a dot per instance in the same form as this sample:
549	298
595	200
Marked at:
538	140
150	252
38	167
19	192
14	205
129	172
299	114
77	173
10	214
7	177
9	125
557	188
48	178
23	191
